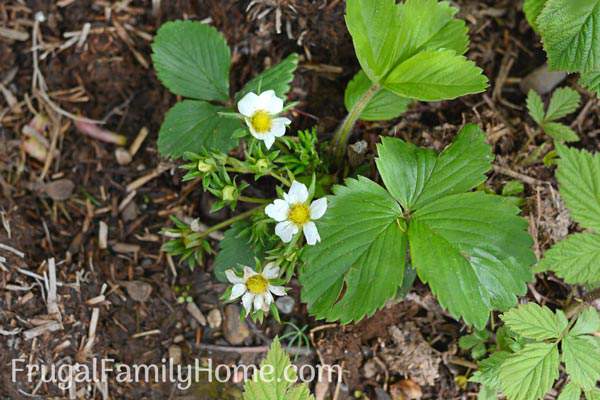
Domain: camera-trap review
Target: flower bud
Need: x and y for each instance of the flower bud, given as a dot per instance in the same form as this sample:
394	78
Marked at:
229	193
205	167
262	165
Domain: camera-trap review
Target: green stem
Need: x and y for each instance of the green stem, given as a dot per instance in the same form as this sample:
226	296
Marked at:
342	134
230	221
255	200
280	178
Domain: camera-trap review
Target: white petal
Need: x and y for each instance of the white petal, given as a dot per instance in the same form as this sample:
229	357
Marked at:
278	128
277	290
286	230
237	290
298	193
253	132
278	210
311	233
318	208
269	139
271	271
269	102
247	106
232	277
248	272
247	301
258	301
268	300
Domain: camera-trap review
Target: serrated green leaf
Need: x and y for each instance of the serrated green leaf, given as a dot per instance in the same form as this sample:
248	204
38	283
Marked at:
535	106
477	242
489	370
359	263
235	250
530	373
578	177
532	9
192	60
192	125
276	379
581	355
487	393
574	259
570	392
593	394
587	323
535	322
277	78
453	36
591	81
564	101
384	106
560	132
416	176
436	75
569	33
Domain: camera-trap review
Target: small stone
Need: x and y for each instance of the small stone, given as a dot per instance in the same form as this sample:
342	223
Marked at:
122	155
285	304
175	354
137	290
59	190
542	80
214	318
370	369
130	212
234	329
381	394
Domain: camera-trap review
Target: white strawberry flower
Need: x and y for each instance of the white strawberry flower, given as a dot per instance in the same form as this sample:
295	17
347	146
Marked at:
255	288
261	115
294	213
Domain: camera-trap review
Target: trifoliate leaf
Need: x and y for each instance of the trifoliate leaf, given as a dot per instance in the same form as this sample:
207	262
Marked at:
277	78
570	392
587	323
489	370
359	263
192	60
436	75
453	36
535	106
384	106
532	9
591	81
417	176
564	101
276	379
569	31
477	242
535	322
578	177
530	373
235	250
192	125
574	259
581	355
560	132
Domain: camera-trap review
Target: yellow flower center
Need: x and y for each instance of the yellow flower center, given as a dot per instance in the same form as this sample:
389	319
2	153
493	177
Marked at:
299	214
257	284
261	121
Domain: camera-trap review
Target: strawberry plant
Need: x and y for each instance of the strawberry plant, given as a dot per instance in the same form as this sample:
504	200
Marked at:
564	101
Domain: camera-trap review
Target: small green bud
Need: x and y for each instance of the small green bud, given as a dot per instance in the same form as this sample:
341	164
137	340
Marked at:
229	193
205	167
262	164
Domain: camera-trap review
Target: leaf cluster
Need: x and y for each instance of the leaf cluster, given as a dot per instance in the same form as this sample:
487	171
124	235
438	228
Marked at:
564	101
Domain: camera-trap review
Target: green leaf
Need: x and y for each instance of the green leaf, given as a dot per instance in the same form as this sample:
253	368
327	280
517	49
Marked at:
570	392
416	176
475	253
192	125
587	323
384	106
564	101
436	75
276	379
487	393
569	31
578	177
235	250
277	78
530	373
593	394
532	9
581	355
574	259
535	322
192	60
359	264
535	106
489	370
560	132
591	81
